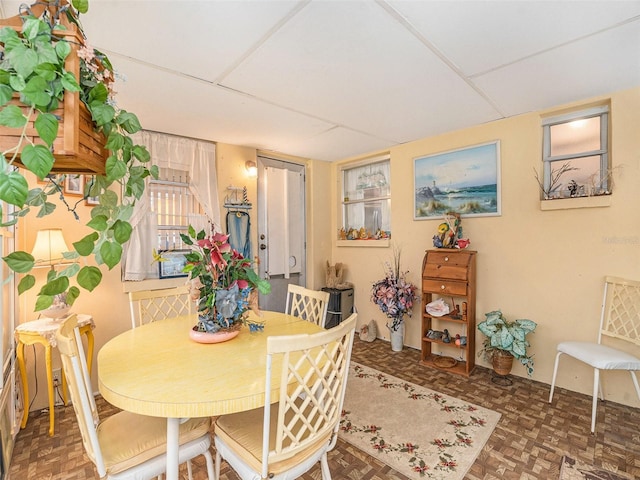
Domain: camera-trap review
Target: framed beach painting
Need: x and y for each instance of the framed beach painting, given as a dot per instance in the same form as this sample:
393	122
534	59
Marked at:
465	181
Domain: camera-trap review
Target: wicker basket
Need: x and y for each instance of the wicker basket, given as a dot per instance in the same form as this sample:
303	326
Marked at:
502	362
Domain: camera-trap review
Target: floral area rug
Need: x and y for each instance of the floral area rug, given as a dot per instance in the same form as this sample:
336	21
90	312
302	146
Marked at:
416	431
571	469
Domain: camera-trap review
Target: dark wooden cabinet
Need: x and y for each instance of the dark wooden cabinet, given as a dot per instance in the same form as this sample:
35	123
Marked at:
450	275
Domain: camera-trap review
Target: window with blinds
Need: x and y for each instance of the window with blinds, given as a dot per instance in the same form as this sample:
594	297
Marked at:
174	205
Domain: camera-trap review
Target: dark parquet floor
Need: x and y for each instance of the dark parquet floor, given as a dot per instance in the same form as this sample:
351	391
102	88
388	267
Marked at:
528	443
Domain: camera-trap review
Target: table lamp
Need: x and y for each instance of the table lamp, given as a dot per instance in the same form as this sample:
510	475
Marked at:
49	247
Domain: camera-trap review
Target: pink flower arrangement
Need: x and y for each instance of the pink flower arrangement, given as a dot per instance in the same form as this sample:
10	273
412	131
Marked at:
394	295
223	278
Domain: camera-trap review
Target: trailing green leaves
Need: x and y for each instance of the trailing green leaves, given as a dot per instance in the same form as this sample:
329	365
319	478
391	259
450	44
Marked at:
89	278
27	282
47	127
20	262
33	70
38	159
13	188
11	116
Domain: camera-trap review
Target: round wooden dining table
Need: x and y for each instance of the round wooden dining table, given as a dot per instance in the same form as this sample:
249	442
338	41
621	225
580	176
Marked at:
157	370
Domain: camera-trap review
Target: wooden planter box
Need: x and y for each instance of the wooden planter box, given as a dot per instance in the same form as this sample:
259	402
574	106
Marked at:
78	148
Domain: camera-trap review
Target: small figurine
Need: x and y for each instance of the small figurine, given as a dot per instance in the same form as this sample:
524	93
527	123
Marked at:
434	334
342	234
363	234
573	188
446	338
463	243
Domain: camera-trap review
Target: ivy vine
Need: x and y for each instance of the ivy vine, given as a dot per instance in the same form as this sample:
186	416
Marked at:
32	68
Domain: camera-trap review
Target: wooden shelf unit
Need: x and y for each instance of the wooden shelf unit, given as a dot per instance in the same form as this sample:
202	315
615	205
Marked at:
450	274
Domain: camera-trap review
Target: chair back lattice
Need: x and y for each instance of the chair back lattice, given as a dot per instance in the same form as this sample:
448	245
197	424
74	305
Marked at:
312	382
621	310
77	375
310	305
150	305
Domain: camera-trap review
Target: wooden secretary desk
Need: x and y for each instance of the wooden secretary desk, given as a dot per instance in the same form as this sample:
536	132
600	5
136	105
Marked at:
449	274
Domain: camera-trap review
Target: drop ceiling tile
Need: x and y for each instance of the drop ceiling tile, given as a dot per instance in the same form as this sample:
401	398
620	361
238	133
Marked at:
333	144
369	75
178	105
198	38
597	65
480	36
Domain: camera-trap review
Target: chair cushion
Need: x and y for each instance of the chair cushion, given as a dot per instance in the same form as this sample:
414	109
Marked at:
128	439
600	356
242	432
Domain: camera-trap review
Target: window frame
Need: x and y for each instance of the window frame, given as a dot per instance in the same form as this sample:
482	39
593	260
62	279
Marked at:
548	160
346	201
187	201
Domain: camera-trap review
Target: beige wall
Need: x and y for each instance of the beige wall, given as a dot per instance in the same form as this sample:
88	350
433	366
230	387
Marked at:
547	266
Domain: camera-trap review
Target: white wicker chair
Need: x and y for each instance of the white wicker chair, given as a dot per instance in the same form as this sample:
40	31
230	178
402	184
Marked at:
285	439
620	319
150	305
310	305
125	445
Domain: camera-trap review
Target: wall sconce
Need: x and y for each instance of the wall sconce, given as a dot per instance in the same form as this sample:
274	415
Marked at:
49	247
252	169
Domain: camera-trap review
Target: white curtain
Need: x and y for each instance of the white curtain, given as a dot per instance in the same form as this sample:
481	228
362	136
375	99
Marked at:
180	153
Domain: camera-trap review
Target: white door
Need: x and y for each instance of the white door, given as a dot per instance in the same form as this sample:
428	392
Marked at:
281	228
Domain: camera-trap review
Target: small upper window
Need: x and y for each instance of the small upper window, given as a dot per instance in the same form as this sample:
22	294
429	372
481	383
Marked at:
576	154
366	201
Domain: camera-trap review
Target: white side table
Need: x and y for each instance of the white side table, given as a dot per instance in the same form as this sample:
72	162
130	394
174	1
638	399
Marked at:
43	332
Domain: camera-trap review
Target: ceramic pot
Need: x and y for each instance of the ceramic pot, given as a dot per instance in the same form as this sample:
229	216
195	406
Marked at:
55	312
397	338
212	337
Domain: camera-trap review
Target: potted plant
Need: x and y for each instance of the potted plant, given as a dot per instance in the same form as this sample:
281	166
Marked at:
506	340
34	83
394	295
223	281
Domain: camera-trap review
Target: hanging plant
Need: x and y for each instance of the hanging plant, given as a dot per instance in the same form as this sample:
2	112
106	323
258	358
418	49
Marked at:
45	62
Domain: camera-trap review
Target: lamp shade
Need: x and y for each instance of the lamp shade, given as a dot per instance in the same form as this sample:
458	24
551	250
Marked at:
49	247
